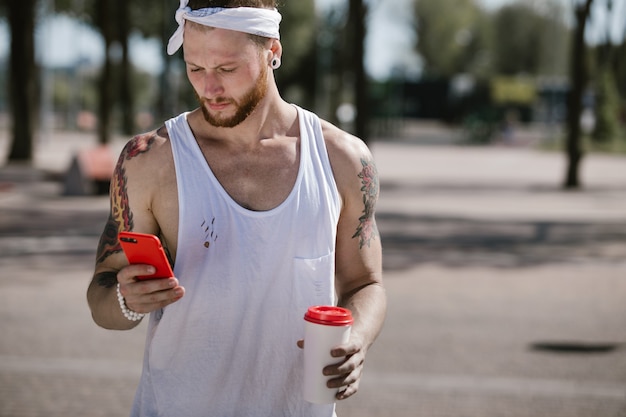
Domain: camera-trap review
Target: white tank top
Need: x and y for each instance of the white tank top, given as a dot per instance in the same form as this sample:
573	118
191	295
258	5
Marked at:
228	347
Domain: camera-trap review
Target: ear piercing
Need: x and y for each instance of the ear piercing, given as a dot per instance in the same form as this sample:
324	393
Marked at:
275	63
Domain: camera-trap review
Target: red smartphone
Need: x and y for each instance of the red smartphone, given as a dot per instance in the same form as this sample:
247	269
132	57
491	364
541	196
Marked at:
142	248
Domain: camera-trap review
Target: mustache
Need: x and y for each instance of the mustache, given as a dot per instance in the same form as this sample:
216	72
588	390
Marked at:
216	100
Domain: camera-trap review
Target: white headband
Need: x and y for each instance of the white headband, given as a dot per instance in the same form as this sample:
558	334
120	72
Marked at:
253	20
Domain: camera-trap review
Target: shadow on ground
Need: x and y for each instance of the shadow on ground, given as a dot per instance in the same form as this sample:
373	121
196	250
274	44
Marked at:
409	241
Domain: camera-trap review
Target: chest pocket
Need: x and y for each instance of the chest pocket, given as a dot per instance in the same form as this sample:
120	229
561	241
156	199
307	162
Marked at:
314	281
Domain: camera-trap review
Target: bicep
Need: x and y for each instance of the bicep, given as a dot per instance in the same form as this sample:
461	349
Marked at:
129	209
359	251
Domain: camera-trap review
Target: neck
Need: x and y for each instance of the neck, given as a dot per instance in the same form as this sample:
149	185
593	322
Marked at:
272	117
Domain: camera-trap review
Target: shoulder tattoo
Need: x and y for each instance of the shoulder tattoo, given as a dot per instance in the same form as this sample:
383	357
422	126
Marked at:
367	230
121	217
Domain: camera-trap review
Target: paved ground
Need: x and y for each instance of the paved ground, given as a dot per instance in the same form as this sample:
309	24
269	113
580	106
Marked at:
506	294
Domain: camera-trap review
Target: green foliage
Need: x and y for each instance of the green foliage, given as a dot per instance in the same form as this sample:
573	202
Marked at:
452	36
620	72
481	126
615	145
297	32
526	36
530	37
153	19
82	10
607	108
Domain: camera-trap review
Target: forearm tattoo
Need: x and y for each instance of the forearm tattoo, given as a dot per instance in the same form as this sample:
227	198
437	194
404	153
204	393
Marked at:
106	279
121	217
367	230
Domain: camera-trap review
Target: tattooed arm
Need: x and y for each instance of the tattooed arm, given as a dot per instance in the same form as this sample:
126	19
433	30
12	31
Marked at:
358	270
132	193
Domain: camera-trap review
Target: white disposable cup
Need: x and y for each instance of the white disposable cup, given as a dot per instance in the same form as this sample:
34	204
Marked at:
326	327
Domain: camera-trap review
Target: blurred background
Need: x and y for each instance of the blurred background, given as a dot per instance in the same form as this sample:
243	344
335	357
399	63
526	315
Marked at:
498	127
374	67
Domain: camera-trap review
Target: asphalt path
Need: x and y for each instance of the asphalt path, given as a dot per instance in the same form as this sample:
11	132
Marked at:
506	293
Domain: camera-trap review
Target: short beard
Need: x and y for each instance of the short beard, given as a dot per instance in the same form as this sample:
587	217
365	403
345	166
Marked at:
244	107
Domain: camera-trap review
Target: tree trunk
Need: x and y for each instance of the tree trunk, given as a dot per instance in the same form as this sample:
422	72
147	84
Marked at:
165	98
106	76
578	75
22	78
358	13
126	73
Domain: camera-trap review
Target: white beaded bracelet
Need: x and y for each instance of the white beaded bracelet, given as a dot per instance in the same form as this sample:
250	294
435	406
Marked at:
128	313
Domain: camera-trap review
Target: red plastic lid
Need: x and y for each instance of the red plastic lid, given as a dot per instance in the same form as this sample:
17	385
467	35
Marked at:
329	315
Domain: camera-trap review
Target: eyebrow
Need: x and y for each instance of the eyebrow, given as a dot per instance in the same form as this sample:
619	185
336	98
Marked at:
224	64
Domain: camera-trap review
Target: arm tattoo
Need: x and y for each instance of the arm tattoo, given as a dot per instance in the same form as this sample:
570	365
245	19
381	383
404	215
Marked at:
106	279
121	217
366	231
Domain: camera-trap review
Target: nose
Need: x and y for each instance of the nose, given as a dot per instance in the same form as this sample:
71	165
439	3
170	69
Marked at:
212	85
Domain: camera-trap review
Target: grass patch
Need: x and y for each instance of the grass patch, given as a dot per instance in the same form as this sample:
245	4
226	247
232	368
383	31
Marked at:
617	145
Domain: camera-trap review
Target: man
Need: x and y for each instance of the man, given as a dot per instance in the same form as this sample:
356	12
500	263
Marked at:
264	210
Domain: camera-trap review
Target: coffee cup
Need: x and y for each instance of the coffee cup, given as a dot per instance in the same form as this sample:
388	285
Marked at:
326	327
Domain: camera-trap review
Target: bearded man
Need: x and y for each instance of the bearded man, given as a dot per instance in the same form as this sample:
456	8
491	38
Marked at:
264	210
